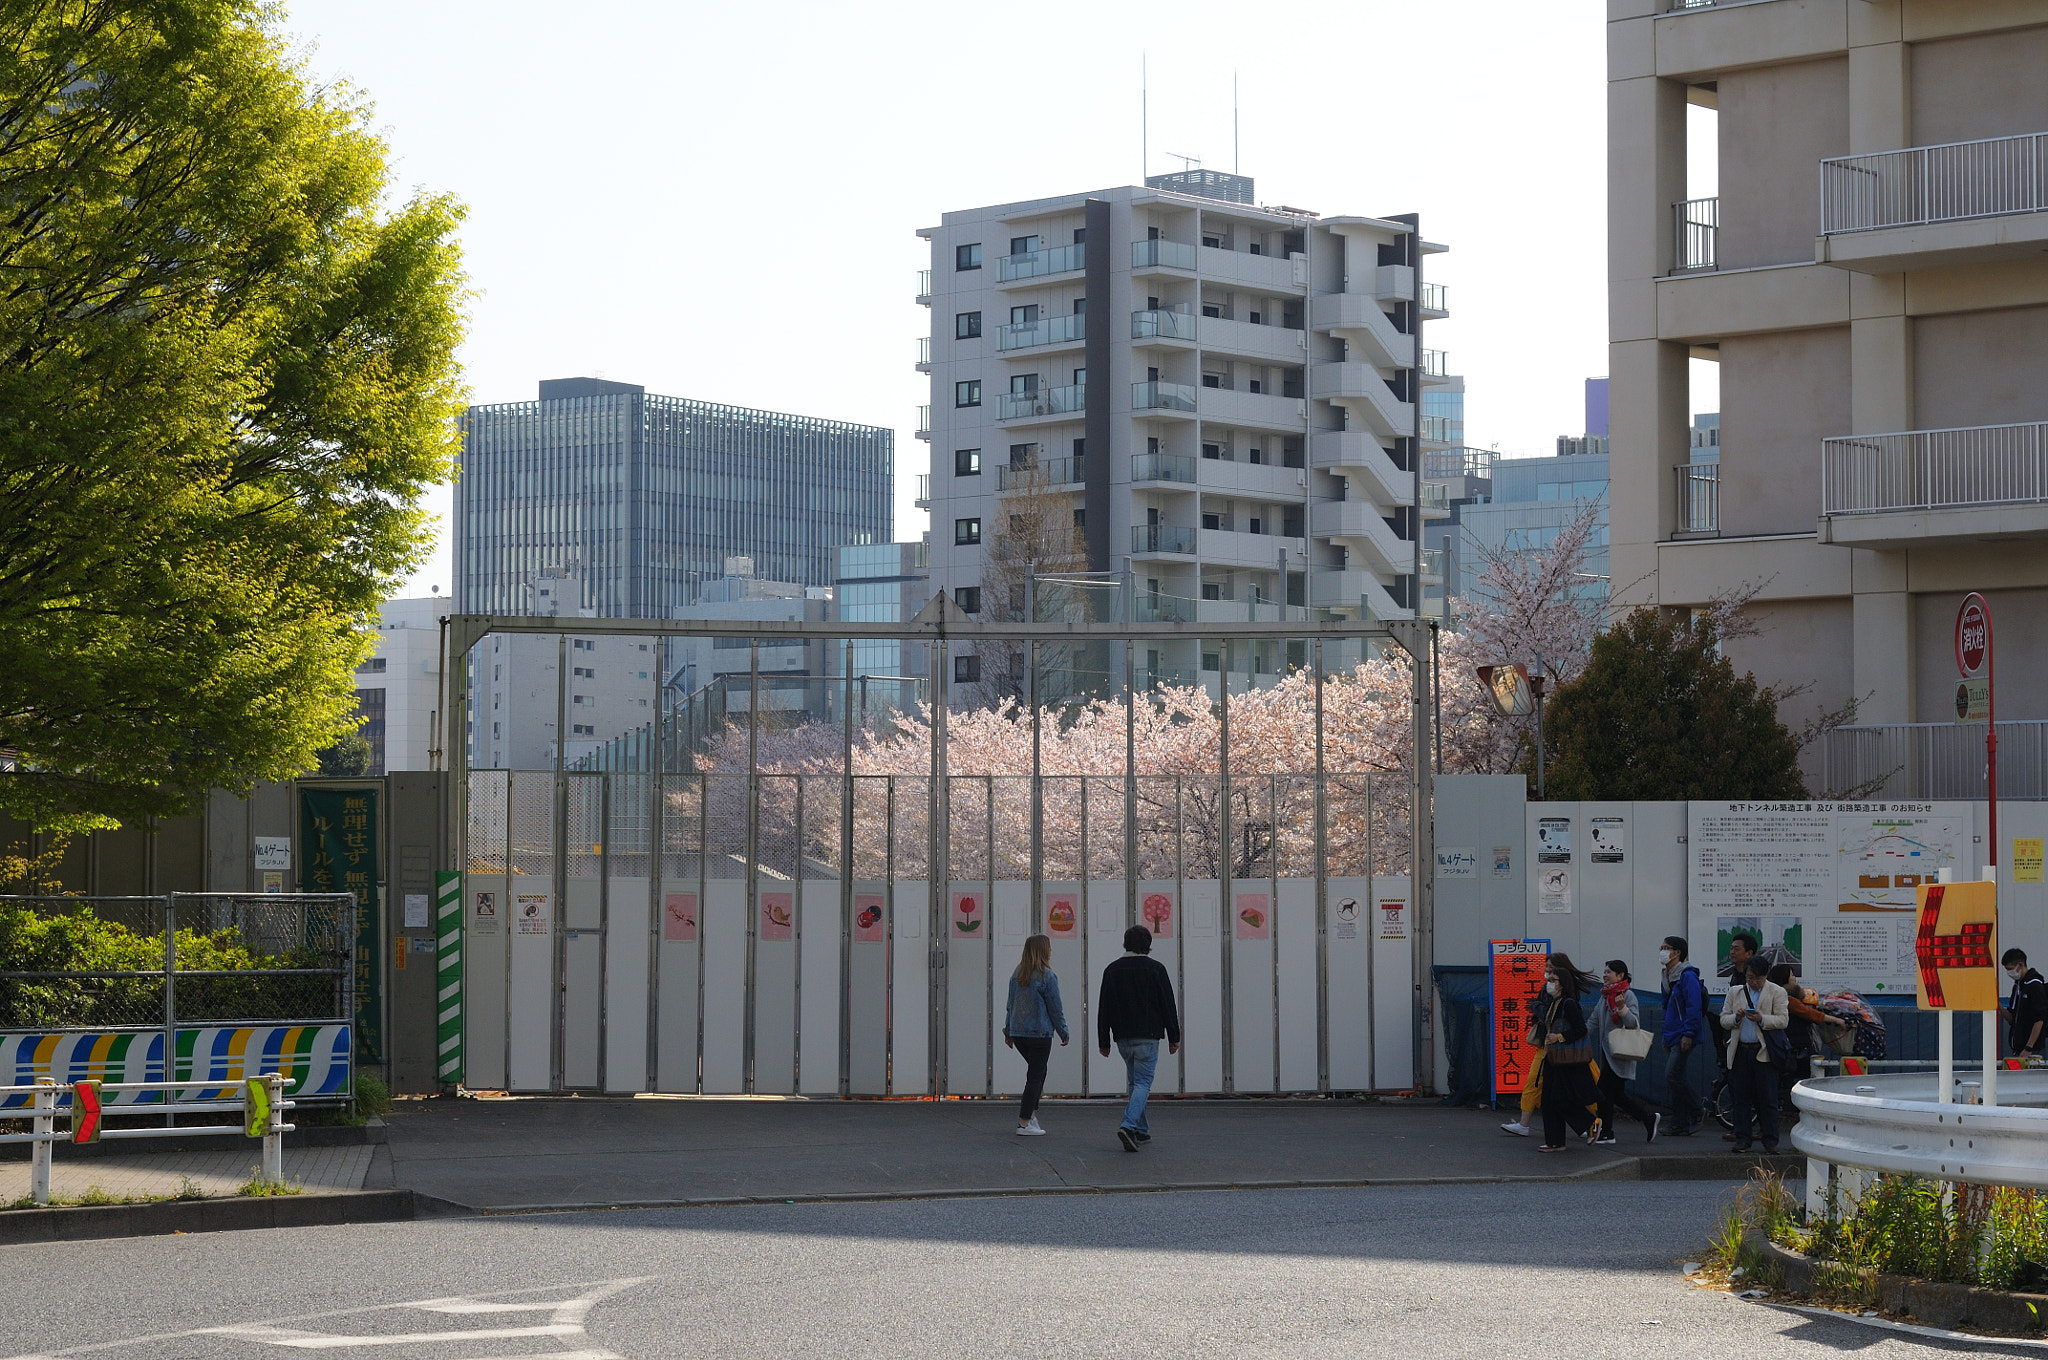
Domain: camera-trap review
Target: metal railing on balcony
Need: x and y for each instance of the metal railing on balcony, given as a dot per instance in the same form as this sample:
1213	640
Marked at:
1699	498
1459	463
924	354
1162	538
1870	474
1932	760
1044	401
1433	562
1434	497
1952	182
1442	429
1162	467
1048	473
1047	330
1696	223
1435	363
924	286
1148	607
1162	396
924	491
1162	255
924	422
1164	324
1435	298
1053	260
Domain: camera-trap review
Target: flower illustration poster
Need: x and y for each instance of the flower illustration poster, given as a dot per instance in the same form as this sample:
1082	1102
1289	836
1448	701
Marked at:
967	916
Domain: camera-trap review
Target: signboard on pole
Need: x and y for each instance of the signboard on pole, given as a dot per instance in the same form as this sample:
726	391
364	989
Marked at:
1955	950
1514	983
339	830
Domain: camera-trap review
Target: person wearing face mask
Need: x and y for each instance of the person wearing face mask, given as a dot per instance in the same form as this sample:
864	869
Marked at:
1568	1091
2027	1012
1616	1009
1685	1028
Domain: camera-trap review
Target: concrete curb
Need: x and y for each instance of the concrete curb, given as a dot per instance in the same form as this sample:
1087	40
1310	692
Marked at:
357	1135
1932	1302
72	1223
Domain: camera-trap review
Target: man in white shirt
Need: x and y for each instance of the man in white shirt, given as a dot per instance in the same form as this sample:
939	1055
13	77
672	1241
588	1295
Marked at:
1754	1005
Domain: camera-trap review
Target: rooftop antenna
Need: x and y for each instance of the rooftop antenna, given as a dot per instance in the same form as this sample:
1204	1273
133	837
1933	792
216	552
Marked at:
1144	120
1187	163
1233	123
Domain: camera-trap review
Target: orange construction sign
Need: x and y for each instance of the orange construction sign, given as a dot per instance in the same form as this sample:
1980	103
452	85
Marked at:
85	1111
1515	982
1956	947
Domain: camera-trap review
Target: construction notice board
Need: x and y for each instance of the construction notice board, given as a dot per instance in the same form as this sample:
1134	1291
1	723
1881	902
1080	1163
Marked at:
1514	984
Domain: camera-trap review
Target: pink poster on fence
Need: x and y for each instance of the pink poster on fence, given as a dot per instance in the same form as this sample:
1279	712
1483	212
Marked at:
867	917
969	915
679	916
1062	914
1254	917
778	915
1155	913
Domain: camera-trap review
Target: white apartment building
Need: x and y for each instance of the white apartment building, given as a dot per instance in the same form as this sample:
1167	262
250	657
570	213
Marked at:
398	690
1870	274
1227	396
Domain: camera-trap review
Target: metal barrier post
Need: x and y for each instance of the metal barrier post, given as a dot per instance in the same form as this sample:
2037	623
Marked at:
39	1154
170	1072
273	1134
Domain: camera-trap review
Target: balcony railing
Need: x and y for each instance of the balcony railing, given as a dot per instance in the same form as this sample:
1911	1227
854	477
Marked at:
924	286
1435	298
1699	498
924	354
924	422
1054	260
1164	324
1433	560
1952	182
1435	496
1924	761
1459	463
1696	222
1047	330
1162	467
1435	363
1870	474
1051	472
1162	538
1045	401
1162	396
1150	608
924	491
1162	255
1443	429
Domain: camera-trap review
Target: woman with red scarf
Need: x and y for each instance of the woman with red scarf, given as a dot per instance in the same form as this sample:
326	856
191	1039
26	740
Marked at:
1617	1009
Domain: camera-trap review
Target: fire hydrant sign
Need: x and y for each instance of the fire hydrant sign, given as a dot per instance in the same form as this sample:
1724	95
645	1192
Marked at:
1515	984
1955	949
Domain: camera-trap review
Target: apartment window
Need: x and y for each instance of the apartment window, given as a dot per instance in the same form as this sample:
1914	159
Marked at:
1151	445
967	326
967	393
1211	661
1080	449
1023	245
967	257
967	532
579	699
1256	385
374	666
1210	309
1024	316
1080	377
1212	451
968	599
1211	520
494	731
1023	455
1214	242
1080	519
1080	236
967	462
1257	526
1253	317
1212	380
966	670
1021	384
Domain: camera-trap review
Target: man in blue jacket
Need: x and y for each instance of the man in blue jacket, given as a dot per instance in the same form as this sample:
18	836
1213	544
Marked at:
1685	1009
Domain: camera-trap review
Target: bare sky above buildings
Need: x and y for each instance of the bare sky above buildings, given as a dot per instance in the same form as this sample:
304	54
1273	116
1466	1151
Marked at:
720	201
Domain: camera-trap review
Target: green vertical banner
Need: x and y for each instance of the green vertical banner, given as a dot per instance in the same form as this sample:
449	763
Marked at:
338	829
448	976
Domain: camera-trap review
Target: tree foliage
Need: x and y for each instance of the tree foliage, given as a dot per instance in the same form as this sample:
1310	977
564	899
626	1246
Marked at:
349	758
1659	713
226	375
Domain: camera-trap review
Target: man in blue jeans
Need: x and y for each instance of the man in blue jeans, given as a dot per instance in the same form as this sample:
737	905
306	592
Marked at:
1137	1010
1685	1009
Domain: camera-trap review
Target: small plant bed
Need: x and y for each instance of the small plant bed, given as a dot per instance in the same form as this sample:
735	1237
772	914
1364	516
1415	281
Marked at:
93	1197
1968	1258
257	1187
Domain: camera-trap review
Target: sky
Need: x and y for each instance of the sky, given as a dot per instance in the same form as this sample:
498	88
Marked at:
721	202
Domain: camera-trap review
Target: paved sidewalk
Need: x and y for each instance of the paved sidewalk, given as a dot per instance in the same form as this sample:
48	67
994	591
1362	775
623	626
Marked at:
533	1153
149	1175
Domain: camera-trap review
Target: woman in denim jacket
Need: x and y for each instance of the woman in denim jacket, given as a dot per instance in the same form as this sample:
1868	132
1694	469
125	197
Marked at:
1031	1019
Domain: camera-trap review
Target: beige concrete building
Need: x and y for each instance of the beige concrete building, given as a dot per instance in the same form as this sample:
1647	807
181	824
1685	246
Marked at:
1871	277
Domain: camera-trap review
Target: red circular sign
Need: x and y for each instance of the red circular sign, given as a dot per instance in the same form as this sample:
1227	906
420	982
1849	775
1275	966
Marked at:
1973	636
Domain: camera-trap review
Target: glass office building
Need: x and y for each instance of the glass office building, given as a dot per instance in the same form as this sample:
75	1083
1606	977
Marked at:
630	500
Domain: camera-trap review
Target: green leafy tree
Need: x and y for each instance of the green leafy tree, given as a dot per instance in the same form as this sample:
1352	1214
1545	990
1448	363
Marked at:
226	375
1659	713
348	758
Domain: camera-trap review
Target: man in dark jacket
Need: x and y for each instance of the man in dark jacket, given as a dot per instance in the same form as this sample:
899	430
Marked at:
1685	1007
2027	1012
1137	1010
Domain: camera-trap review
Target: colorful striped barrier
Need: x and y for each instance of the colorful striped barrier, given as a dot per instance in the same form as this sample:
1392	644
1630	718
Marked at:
448	977
315	1060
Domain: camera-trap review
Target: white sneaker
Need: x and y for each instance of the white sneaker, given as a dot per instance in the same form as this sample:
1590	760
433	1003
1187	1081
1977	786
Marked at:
1029	1129
1512	1127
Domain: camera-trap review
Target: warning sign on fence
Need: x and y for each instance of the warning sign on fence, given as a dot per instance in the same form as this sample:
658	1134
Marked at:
1515	982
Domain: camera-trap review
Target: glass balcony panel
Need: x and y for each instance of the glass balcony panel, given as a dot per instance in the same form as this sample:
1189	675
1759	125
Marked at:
1050	472
1046	401
1162	538
1162	254
1165	324
1162	396
1047	330
1162	467
1037	264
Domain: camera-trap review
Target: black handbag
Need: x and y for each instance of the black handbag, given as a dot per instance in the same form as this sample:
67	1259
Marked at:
1778	1049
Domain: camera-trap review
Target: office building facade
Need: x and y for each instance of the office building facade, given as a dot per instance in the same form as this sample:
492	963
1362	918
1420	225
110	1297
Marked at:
1870	273
1225	400
632	500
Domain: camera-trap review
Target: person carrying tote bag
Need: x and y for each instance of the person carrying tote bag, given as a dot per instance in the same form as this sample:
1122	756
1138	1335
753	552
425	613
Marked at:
1621	1042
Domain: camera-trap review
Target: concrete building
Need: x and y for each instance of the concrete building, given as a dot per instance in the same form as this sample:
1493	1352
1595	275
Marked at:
637	499
1871	275
1529	501
398	690
514	701
1229	397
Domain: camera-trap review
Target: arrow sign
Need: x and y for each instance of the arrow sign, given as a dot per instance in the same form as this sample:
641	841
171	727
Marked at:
85	1111
1956	946
255	1106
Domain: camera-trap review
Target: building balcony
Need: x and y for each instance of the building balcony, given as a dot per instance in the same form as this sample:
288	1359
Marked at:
1165	324
924	491
1930	486
1436	302
1435	500
924	354
1157	540
1258	481
1356	452
1148	256
1929	206
1043	402
1393	283
1696	223
1163	396
1365	394
1354	591
1362	528
1041	264
1358	319
1266	344
1151	608
1061	331
1277	274
1442	430
1254	552
1162	467
1435	363
1048	474
1455	463
924	287
1254	410
1433	562
924	422
1698	509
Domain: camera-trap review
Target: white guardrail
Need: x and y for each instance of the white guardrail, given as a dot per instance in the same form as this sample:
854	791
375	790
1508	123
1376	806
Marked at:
1894	1122
259	1100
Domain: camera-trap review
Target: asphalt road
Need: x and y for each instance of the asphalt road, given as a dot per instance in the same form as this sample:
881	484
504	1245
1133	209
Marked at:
1587	1270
